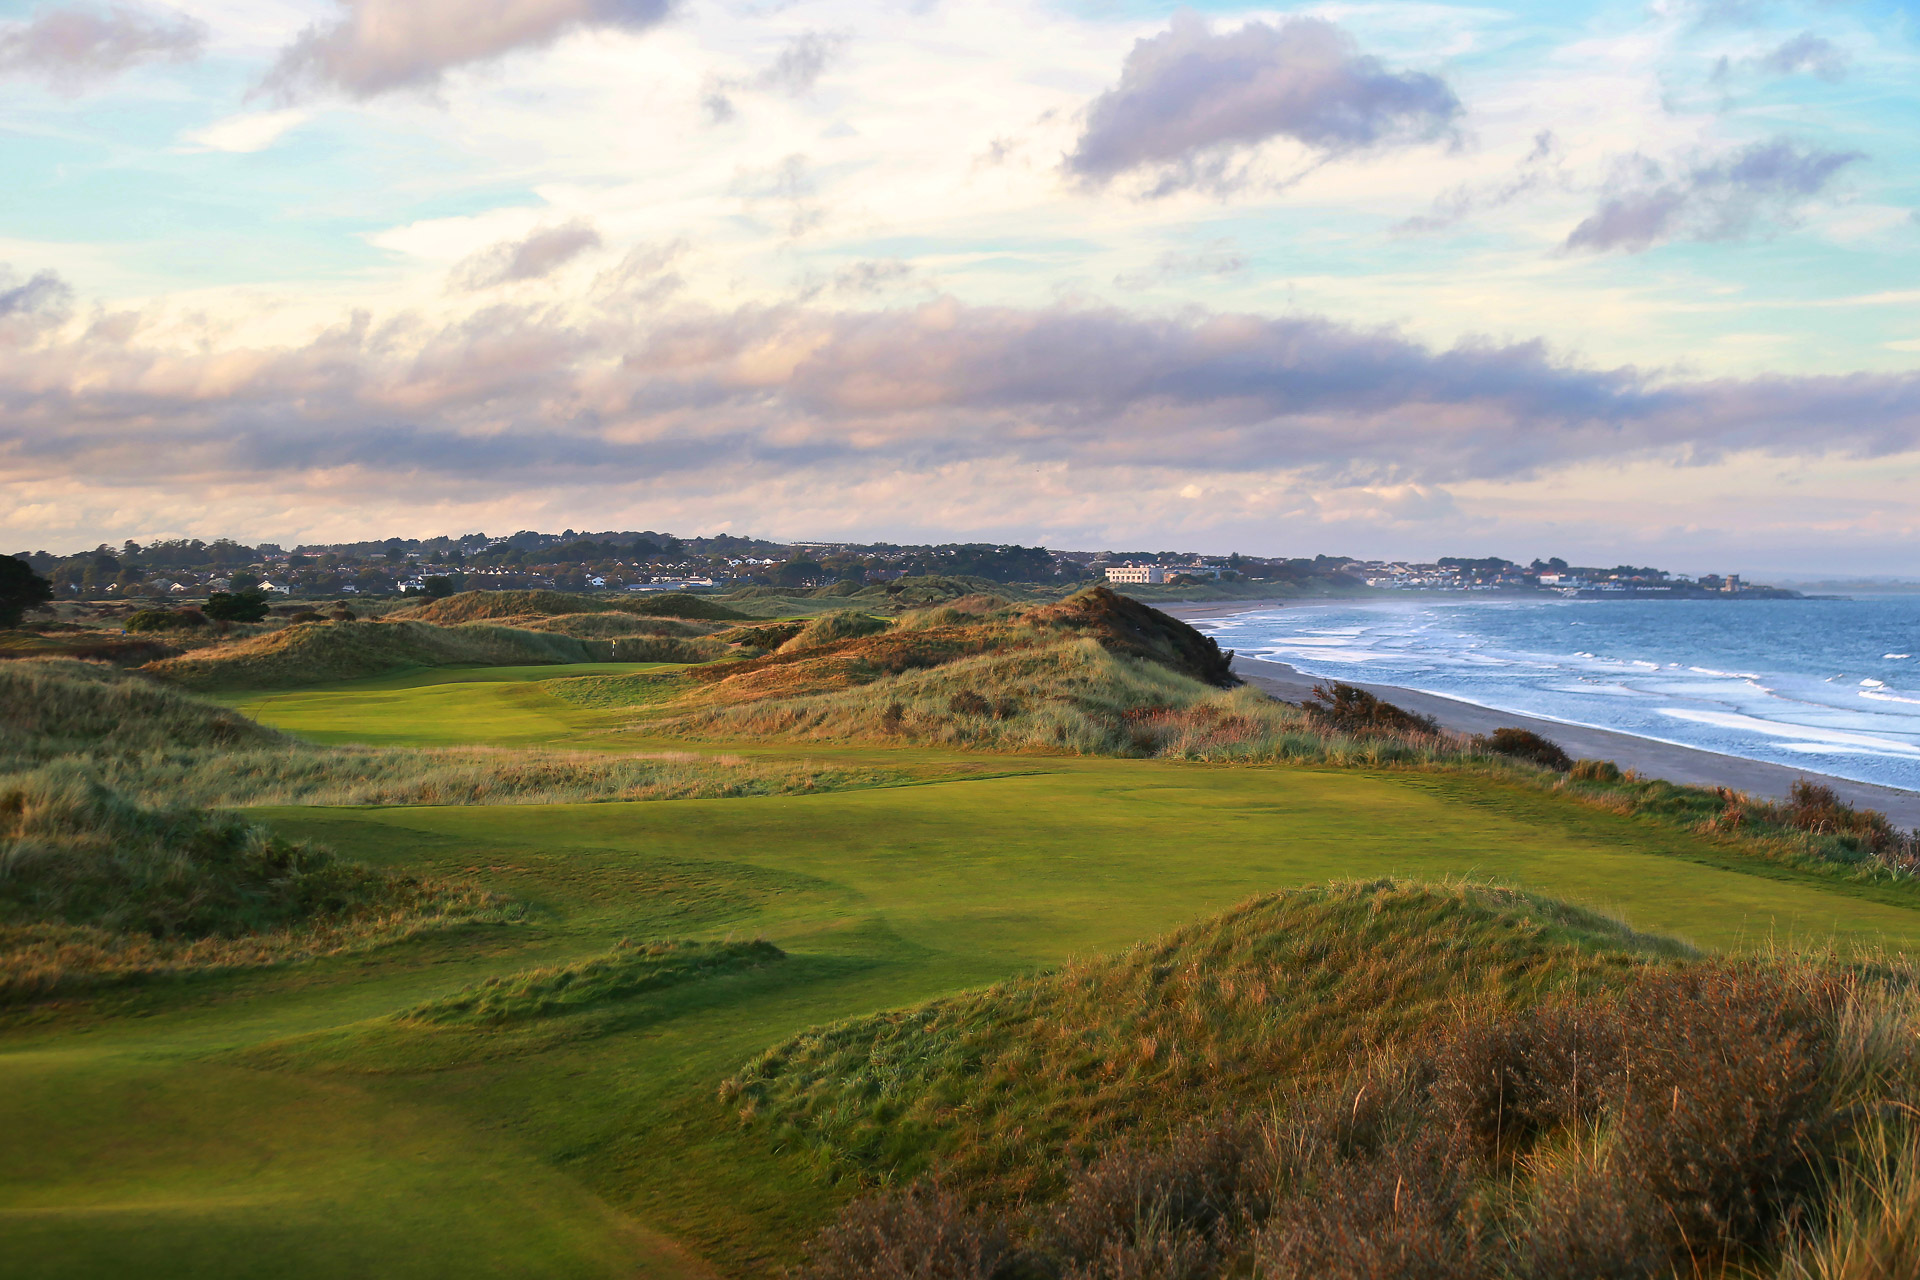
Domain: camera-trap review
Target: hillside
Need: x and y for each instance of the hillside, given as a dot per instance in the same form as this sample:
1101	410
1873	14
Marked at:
54	707
317	652
485	606
1004	1090
1372	1082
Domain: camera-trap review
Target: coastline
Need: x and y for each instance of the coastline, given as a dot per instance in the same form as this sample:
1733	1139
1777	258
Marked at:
1690	766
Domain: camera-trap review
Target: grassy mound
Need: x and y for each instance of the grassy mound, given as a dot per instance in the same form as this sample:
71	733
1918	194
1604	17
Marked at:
1725	1120
830	628
1008	1087
1128	627
681	604
491	606
316	652
52	707
615	625
74	852
631	968
926	687
84	645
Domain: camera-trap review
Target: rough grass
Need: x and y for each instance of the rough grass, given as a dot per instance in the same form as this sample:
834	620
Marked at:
95	887
828	628
52	707
1008	1087
452	776
631	968
488	606
41	961
614	625
1667	1119
317	652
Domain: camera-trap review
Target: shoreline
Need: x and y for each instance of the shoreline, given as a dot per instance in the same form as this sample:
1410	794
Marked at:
1691	766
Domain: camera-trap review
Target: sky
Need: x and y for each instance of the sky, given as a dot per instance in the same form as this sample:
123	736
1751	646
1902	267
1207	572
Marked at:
1611	281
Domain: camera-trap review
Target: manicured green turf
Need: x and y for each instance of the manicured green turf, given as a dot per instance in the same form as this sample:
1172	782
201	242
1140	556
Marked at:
437	707
276	1124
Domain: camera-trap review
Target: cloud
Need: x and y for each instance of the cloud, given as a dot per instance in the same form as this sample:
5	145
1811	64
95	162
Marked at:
1719	199
1215	258
1807	52
1190	99
377	46
541	253
72	47
27	308
247	133
513	398
1541	167
793	73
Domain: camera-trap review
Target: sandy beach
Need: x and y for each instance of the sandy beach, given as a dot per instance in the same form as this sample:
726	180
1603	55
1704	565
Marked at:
1650	756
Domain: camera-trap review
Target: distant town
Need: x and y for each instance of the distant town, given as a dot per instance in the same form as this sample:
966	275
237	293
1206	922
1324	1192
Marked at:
653	561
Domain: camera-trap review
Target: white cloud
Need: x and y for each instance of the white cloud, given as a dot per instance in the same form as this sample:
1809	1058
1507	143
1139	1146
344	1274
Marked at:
255	131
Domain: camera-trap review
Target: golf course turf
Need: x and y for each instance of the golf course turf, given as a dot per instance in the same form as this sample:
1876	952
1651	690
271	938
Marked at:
283	1123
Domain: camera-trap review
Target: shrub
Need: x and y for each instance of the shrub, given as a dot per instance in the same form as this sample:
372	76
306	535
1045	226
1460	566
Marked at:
925	1234
1596	771
147	621
969	703
236	606
1172	1208
1394	1214
1726	1115
307	615
1502	1081
1346	709
1525	744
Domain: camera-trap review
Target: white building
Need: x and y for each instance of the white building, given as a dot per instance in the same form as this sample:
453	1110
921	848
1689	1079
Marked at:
1142	573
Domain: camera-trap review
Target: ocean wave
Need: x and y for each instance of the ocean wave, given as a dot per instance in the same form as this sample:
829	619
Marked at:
1806	733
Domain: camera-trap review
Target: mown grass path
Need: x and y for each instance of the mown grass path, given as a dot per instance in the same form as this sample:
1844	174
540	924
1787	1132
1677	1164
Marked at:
276	1124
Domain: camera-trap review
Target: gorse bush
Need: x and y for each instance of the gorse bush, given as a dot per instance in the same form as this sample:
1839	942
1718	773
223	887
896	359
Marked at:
1347	709
147	621
1525	744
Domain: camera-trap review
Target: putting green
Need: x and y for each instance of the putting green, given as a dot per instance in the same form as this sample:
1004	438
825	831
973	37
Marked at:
271	1124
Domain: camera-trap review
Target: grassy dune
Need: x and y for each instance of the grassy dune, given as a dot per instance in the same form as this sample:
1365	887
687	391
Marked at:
483	606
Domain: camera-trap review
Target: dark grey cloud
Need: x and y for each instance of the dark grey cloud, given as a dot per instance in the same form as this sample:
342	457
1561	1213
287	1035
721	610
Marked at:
1191	99
377	46
71	47
518	396
1724	198
541	253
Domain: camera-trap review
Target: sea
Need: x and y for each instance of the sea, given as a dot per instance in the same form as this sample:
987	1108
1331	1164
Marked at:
1828	685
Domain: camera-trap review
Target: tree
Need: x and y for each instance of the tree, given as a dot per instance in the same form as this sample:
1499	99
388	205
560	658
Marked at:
236	606
21	589
438	588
